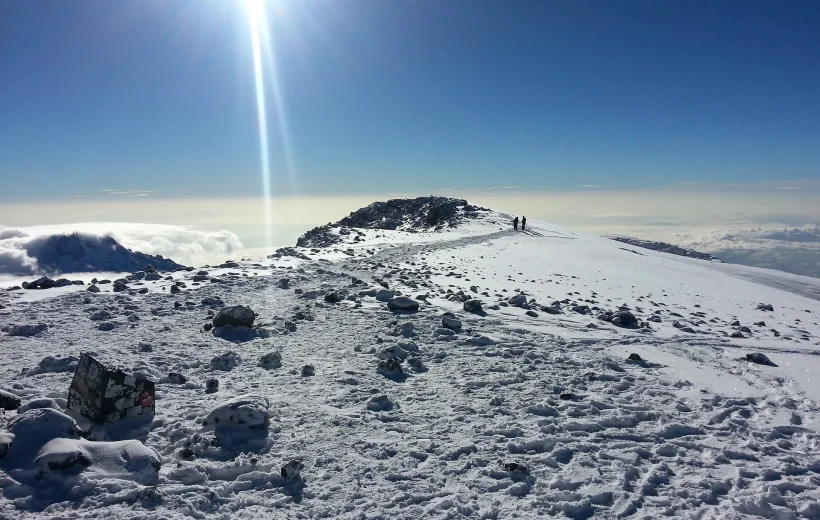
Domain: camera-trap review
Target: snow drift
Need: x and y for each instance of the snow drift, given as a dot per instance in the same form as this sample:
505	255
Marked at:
115	247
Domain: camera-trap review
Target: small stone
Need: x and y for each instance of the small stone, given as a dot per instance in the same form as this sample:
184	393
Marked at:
270	360
634	357
236	316
308	371
93	289
532	314
765	307
333	297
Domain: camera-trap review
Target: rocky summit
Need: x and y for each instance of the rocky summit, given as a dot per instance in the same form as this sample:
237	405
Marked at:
419	214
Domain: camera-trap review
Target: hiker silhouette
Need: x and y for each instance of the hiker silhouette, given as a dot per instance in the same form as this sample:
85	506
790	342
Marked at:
515	223
523	223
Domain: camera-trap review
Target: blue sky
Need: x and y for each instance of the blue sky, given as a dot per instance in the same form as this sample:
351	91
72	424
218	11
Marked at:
158	96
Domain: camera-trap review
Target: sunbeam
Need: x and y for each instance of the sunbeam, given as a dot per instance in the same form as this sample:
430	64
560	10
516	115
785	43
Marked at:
256	19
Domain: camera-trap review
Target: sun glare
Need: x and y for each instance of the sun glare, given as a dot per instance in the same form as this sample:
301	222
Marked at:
256	21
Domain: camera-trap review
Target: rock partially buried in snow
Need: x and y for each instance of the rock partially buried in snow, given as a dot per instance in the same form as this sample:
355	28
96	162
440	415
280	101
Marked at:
765	307
380	403
236	316
40	425
308	371
123	460
226	361
759	359
403	303
211	385
518	300
249	412
42	402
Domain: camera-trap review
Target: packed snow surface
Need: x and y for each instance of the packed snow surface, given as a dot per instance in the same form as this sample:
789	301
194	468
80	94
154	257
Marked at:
544	374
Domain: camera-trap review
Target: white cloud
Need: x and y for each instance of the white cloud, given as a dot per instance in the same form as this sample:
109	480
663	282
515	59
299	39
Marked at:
182	244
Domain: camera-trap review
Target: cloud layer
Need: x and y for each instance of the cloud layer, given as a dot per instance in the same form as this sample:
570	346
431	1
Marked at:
182	244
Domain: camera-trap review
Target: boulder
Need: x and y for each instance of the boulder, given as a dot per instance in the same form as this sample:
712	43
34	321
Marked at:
42	425
9	401
211	385
550	310
120	285
765	307
308	371
122	460
175	289
106	326
402	303
212	301
93	289
333	297
532	314
236	316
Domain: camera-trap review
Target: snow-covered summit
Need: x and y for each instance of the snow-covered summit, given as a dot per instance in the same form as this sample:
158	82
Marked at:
472	372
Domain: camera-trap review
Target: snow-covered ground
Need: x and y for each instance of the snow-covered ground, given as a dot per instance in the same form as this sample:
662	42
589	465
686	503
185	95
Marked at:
530	409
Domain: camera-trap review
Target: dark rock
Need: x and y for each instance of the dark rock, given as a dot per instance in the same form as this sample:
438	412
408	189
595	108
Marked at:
745	329
333	297
625	319
532	314
120	286
765	307
308	371
236	316
270	360
390	367
107	326
737	334
211	385
380	403
403	303
634	357
515	467
473	306
9	401
292	470
176	378
175	289
550	310
760	359
208	326
41	283
93	289
581	309
384	295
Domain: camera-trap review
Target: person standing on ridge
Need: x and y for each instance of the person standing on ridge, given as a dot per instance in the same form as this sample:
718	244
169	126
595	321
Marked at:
523	223
515	223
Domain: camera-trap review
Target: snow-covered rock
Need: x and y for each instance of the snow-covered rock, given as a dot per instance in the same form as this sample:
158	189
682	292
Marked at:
123	460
